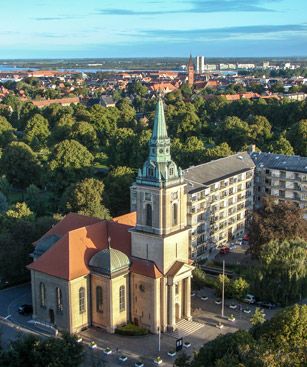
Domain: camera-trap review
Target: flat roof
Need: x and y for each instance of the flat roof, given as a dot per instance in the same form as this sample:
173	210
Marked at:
205	174
282	162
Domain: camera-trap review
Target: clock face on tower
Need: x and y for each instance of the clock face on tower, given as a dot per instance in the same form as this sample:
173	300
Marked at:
161	150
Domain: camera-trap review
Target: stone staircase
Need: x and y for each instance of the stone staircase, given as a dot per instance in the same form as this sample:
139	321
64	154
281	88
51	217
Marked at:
185	327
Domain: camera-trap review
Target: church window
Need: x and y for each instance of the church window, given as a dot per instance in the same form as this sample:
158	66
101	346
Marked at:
171	171
148	215
122	302
175	214
42	294
147	196
174	195
177	288
82	300
99	299
150	172
59	299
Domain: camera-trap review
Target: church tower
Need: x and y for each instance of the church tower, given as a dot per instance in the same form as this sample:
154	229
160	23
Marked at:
161	235
190	72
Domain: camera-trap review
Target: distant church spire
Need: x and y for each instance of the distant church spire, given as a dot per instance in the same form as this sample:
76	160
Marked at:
159	169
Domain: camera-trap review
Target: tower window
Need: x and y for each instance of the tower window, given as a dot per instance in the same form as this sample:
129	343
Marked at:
147	196
148	215
42	294
99	299
82	300
171	171
59	299
175	214
150	172
122	304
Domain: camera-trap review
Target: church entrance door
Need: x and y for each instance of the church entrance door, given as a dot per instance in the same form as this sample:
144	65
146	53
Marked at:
51	316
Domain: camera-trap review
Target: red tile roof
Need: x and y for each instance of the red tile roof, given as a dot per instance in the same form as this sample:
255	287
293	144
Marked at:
81	238
145	267
62	101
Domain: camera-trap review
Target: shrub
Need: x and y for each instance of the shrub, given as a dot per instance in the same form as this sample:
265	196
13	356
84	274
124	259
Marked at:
131	330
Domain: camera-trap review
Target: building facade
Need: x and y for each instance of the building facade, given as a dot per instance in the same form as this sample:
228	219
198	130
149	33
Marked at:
135	268
220	195
282	177
200	64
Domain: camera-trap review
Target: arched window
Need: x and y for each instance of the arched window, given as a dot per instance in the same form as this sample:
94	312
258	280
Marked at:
148	215
42	294
99	299
175	214
82	300
59	299
122	303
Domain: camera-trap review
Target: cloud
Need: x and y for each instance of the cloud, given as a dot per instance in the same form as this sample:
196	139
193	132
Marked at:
56	18
253	31
198	6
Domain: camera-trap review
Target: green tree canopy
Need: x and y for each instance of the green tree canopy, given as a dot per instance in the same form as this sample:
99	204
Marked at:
6	132
85	134
117	193
71	161
20	165
37	131
85	198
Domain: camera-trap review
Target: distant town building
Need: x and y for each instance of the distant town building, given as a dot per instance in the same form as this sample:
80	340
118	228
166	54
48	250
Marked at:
200	64
190	72
246	66
210	67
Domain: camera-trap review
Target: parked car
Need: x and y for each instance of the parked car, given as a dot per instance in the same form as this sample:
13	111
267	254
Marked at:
123	358
218	301
224	250
266	304
25	309
204	298
107	351
249	298
233	306
138	364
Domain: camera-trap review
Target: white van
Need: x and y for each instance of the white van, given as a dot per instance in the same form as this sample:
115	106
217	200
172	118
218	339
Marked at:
249	298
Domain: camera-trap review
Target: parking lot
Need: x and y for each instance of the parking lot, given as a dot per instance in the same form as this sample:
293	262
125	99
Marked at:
205	312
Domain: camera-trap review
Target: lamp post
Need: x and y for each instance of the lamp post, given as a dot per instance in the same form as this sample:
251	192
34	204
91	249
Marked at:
159	339
223	288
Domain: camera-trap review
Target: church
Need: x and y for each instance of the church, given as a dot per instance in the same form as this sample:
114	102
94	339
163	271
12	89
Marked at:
134	268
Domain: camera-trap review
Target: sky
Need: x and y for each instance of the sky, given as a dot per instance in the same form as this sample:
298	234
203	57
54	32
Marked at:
152	28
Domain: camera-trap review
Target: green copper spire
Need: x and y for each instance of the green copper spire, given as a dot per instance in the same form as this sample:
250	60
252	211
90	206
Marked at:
159	169
159	128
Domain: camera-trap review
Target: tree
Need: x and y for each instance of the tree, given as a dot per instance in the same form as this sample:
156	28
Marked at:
183	360
118	182
234	131
258	317
298	137
259	130
71	161
6	132
199	278
281	146
230	344
20	165
20	211
281	275
219	151
219	285
85	134
275	221
85	198
37	131
239	288
30	350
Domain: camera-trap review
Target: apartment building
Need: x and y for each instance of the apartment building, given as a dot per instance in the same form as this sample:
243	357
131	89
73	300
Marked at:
200	64
280	176
220	193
